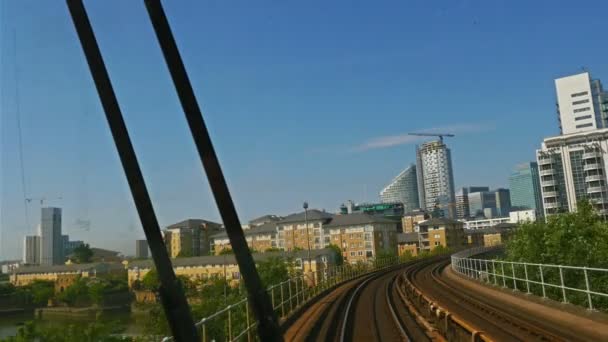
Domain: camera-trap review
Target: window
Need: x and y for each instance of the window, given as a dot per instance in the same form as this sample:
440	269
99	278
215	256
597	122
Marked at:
369	254
360	244
582	110
360	253
580	102
582	117
316	225
368	244
368	236
437	236
352	254
580	94
436	243
584	125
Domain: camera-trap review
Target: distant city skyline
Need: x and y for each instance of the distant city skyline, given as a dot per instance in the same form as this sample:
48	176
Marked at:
295	113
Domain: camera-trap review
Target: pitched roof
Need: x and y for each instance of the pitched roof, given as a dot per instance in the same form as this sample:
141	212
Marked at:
100	266
266	228
312	215
192	223
407	237
357	218
438	221
229	259
265	218
100	252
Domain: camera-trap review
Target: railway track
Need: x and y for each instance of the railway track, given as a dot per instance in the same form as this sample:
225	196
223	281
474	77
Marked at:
368	309
497	323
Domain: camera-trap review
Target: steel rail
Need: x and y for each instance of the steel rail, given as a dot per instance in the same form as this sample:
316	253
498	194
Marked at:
391	307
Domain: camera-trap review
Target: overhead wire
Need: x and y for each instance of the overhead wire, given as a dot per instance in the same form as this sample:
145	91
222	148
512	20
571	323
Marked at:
20	130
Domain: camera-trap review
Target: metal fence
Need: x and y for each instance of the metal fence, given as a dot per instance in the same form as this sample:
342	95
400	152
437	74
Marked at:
237	323
586	286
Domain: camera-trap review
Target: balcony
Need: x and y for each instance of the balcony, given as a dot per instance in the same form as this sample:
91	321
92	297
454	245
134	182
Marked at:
549	183
553	205
592	154
593	178
600	201
545	161
595	189
547	194
549	172
592	166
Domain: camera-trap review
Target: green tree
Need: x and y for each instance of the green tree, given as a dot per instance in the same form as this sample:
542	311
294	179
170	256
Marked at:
337	254
42	291
150	281
8	288
406	256
72	332
273	270
272	249
576	239
438	250
76	294
82	254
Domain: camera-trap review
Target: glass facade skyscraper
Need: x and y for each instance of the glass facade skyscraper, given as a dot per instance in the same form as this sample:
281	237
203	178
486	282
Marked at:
404	189
51	243
525	187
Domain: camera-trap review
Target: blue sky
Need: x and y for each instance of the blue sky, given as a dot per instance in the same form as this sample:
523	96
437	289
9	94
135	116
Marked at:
304	100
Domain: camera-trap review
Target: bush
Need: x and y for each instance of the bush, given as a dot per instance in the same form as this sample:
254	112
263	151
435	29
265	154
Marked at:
76	294
573	239
41	291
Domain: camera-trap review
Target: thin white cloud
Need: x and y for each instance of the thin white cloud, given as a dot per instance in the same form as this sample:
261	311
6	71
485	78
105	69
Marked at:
405	138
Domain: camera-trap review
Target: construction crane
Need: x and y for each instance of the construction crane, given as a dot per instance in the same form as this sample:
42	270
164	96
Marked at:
41	199
440	135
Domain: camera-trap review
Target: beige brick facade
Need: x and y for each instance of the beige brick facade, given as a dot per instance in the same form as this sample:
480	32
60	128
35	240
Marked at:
209	267
409	221
441	232
362	237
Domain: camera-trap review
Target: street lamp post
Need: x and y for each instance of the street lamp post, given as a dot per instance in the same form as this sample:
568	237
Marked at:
305	206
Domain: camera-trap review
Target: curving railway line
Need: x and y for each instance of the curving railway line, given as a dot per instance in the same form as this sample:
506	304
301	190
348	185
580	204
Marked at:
418	301
496	321
366	309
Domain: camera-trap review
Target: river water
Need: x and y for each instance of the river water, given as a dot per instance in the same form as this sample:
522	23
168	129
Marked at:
9	325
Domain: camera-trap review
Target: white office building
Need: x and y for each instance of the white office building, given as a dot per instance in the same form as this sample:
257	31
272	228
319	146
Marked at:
51	243
435	178
573	167
31	250
403	189
582	104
